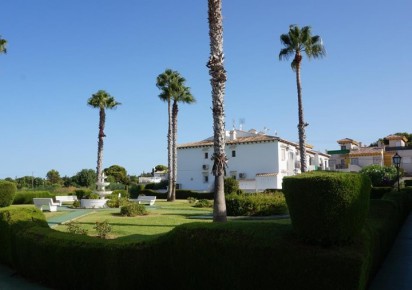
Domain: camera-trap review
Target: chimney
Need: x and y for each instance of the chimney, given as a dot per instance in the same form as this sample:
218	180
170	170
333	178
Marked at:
233	135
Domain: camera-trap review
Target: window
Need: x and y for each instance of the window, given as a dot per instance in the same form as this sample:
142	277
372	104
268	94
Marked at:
205	179
343	147
283	154
354	161
233	153
310	160
206	155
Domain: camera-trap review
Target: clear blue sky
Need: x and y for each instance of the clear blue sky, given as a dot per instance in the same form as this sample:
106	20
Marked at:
61	52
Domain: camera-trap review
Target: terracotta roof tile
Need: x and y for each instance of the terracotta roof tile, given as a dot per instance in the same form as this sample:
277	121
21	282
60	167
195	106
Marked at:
366	151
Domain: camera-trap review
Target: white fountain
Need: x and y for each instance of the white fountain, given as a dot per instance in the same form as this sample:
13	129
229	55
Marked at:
101	191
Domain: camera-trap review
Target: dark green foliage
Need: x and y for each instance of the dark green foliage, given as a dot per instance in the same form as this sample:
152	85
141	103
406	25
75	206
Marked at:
256	204
408	182
380	175
76	204
115	202
85	177
378	192
7	192
203	203
135	190
83	193
133	209
26	197
231	185
327	207
156	186
256	248
123	193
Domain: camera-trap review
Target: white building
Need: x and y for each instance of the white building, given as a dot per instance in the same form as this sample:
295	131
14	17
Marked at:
258	161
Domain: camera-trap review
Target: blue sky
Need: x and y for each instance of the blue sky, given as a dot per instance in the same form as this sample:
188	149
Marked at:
61	52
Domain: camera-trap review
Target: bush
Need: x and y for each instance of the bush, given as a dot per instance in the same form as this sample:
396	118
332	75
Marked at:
82	193
7	191
380	175
203	203
256	204
135	190
231	185
133	209
378	192
123	193
115	202
74	228
327	207
103	229
408	182
26	197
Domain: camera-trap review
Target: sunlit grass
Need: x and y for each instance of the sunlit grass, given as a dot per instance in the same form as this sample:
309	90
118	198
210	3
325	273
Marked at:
162	218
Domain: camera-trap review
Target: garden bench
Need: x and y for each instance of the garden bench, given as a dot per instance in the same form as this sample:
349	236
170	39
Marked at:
65	199
45	204
145	199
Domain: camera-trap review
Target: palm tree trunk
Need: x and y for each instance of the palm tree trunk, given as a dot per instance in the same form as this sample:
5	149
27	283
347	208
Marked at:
102	120
218	74
169	153
175	111
302	124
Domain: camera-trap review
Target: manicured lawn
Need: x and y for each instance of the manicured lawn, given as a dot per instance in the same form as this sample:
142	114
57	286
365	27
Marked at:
161	218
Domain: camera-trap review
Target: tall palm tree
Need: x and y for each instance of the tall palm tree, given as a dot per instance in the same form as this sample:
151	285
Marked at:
297	42
172	86
3	44
181	94
218	79
101	100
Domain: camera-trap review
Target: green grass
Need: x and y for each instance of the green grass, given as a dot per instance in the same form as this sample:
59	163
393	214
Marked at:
162	218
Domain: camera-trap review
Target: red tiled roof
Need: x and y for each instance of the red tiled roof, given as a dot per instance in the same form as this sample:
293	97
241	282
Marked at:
396	137
347	140
366	151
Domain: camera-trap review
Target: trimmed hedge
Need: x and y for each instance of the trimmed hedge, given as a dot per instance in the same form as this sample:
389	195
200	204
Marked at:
256	204
26	197
327	207
7	192
378	192
254	247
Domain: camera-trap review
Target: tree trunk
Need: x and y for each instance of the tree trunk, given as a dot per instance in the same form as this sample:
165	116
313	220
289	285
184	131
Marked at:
218	79
102	120
175	111
302	124
169	153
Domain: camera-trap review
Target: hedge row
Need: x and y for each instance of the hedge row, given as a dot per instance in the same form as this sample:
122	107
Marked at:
26	197
256	204
327	207
211	255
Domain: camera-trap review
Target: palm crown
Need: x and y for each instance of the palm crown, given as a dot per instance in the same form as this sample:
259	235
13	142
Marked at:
102	100
3	44
300	40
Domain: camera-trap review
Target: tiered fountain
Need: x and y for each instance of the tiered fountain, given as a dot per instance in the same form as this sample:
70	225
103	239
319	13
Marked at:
101	191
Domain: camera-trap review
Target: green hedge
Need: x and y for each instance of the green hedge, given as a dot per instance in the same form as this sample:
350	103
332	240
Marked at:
378	192
26	197
327	207
255	204
211	255
7	193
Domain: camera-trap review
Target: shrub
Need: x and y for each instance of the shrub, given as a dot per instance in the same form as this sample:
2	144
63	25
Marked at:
380	175
103	229
115	201
26	197
231	185
327	207
74	228
123	193
82	193
135	189
256	204
408	182
191	199
7	191
76	204
203	203
378	192
133	209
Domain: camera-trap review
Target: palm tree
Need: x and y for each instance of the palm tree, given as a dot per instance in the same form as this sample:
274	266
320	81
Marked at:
181	94
172	86
3	44
218	79
101	100
295	43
